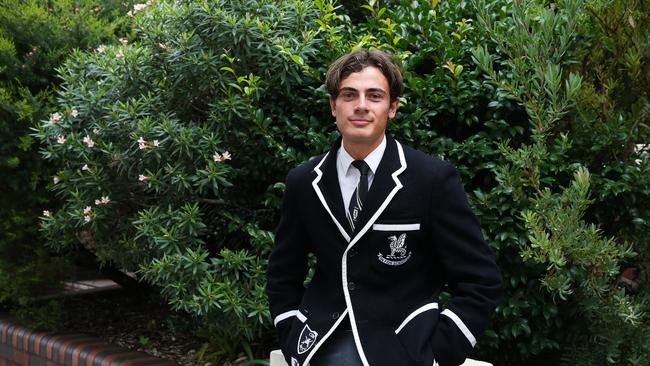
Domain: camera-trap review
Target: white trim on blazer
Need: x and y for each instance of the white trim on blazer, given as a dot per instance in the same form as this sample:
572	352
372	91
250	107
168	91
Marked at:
287	315
327	335
396	227
314	183
418	311
459	323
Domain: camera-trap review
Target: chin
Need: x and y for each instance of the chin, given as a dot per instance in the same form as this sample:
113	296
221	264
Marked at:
361	139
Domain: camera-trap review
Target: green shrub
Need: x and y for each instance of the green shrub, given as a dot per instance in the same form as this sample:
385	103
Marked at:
34	39
550	176
166	147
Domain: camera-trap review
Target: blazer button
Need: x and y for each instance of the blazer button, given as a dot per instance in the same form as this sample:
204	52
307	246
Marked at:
351	286
335	315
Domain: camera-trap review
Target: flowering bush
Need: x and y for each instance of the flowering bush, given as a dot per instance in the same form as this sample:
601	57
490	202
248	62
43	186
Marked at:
35	38
160	142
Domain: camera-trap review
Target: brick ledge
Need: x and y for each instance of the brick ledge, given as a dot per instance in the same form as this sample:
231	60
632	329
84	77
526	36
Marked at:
20	346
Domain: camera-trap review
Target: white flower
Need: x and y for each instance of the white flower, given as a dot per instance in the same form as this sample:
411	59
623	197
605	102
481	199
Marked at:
104	200
120	55
138	7
96	131
85	167
54	118
156	143
219	158
143	178
60	139
142	144
56	180
162	45
129	13
88	211
47	213
74	113
88	141
124	40
100	49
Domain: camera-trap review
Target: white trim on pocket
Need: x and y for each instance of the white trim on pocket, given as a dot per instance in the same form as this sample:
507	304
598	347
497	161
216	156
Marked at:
459	323
301	317
396	227
418	311
289	314
283	316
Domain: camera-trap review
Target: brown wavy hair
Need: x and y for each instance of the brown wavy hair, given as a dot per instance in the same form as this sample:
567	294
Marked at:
359	59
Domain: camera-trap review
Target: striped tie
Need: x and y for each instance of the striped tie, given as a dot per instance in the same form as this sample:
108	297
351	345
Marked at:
356	202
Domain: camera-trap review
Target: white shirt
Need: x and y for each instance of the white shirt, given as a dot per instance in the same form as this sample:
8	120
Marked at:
349	175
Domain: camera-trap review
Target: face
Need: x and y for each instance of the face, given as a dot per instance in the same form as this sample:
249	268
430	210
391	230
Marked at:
362	109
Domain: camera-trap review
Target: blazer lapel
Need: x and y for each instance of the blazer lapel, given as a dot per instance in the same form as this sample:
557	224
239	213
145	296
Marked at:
326	186
384	186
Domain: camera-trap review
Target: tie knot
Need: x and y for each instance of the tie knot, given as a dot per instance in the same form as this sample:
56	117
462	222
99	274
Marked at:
362	166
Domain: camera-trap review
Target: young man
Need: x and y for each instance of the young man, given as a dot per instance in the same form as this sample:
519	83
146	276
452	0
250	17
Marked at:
390	229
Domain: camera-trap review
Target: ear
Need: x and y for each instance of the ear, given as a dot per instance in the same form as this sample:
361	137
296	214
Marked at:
392	109
333	106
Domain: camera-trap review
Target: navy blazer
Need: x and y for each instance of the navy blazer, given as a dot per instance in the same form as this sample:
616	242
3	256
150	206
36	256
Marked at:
415	236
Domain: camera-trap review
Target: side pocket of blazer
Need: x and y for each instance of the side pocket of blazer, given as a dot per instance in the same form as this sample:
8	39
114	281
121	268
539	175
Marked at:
414	332
294	321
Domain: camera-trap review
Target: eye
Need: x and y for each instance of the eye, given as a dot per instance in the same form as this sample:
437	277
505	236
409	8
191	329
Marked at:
376	97
348	95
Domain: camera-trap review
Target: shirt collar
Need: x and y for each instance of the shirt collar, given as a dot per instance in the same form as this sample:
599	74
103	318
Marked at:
373	159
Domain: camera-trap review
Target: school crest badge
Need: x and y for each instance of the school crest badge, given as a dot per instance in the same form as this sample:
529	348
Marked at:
398	253
306	340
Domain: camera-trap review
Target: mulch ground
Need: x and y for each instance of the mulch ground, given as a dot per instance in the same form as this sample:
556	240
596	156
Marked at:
137	322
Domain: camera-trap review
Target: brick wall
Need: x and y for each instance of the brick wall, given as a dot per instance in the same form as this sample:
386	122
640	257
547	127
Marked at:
21	347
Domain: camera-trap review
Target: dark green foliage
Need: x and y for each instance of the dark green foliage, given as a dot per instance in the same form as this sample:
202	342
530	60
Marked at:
166	147
34	39
549	58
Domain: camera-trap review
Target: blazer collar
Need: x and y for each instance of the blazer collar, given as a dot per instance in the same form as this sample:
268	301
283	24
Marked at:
385	185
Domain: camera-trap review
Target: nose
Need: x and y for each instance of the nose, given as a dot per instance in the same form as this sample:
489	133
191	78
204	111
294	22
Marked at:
361	104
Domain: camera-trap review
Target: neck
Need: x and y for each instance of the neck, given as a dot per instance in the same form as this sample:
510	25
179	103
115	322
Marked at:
360	151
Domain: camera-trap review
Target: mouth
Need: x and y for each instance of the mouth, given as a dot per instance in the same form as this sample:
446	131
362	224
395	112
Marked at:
359	122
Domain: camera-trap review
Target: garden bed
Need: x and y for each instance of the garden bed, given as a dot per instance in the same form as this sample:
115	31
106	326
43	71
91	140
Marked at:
137	322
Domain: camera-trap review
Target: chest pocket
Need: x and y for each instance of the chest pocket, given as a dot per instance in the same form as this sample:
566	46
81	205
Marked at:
397	244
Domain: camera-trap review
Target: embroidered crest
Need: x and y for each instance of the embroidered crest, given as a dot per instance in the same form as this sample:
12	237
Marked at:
306	340
398	254
294	362
355	213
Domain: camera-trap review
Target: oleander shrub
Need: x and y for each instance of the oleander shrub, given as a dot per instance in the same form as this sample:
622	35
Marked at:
35	38
165	147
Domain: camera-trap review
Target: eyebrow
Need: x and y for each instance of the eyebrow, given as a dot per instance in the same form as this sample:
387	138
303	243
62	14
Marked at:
370	90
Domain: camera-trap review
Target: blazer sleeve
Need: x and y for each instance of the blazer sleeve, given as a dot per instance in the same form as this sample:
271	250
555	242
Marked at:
287	266
470	271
